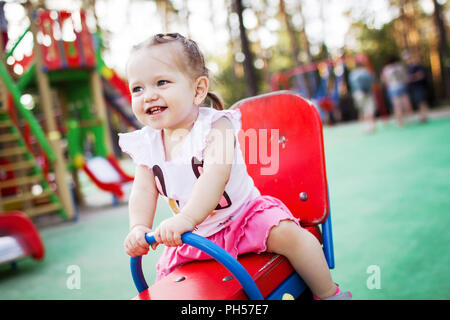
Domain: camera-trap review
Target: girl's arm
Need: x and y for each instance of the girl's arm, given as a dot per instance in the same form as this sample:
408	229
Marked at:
143	198
218	160
141	206
208	189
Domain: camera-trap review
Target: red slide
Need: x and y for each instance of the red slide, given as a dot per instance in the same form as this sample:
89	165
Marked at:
19	238
107	174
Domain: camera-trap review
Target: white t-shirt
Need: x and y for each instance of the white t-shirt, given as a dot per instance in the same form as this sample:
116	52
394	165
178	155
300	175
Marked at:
175	179
394	75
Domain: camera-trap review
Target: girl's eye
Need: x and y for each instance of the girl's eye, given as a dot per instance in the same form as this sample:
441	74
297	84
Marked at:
162	82
136	89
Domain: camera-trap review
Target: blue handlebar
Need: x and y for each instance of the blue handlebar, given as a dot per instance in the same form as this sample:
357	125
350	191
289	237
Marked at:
210	248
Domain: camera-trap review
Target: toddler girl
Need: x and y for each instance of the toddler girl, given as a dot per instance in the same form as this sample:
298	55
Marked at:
190	154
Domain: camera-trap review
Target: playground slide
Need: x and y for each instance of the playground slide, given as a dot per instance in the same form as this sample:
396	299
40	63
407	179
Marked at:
107	175
119	103
117	96
19	238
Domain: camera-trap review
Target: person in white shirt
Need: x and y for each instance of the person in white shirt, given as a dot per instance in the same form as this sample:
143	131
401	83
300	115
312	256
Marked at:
394	76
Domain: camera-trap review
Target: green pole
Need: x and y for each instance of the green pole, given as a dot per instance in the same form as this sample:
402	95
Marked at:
17	43
100	146
74	143
34	125
29	75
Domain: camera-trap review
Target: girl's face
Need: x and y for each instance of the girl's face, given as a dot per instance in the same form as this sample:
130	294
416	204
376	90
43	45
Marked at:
162	95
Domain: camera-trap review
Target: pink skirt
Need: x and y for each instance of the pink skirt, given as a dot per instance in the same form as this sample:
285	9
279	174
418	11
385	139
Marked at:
247	233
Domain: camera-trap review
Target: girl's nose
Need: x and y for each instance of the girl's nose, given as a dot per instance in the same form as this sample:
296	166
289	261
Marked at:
151	96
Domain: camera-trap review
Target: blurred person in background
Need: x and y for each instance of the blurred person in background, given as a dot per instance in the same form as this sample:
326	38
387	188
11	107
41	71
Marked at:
395	77
361	81
417	84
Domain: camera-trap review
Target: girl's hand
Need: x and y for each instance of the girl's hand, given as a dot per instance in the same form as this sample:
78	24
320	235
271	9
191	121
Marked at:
170	230
135	243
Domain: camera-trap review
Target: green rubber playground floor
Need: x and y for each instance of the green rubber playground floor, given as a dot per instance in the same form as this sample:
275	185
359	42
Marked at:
390	202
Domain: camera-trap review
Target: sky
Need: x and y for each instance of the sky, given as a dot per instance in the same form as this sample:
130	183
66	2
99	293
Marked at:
129	22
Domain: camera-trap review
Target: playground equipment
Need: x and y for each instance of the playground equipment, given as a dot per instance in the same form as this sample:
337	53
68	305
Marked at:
65	76
116	92
23	183
117	96
19	238
322	81
85	131
300	182
107	175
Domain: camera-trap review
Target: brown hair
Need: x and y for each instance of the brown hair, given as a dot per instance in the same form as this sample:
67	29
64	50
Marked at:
194	60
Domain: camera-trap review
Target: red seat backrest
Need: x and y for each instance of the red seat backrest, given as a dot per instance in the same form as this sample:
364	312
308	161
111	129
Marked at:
282	143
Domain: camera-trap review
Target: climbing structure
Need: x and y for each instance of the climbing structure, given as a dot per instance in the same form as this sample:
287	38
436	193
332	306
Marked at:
23	184
46	144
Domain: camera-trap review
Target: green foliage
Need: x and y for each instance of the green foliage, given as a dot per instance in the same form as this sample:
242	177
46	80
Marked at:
230	87
230	82
378	44
281	54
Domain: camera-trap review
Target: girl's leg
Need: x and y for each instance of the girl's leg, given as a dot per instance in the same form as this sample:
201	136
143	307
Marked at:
305	254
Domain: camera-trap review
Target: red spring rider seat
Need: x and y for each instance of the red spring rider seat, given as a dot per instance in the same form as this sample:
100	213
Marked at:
290	168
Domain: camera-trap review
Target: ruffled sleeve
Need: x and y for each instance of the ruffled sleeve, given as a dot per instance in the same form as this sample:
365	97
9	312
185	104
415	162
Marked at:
233	115
137	145
203	127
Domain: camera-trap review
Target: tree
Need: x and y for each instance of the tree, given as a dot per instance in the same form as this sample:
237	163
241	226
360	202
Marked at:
442	46
167	12
163	13
376	43
291	32
413	31
304	36
249	70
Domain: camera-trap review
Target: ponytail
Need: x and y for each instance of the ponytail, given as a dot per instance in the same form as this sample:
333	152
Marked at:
215	101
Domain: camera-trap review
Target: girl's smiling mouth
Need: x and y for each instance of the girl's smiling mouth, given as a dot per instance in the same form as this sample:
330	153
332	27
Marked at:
155	110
